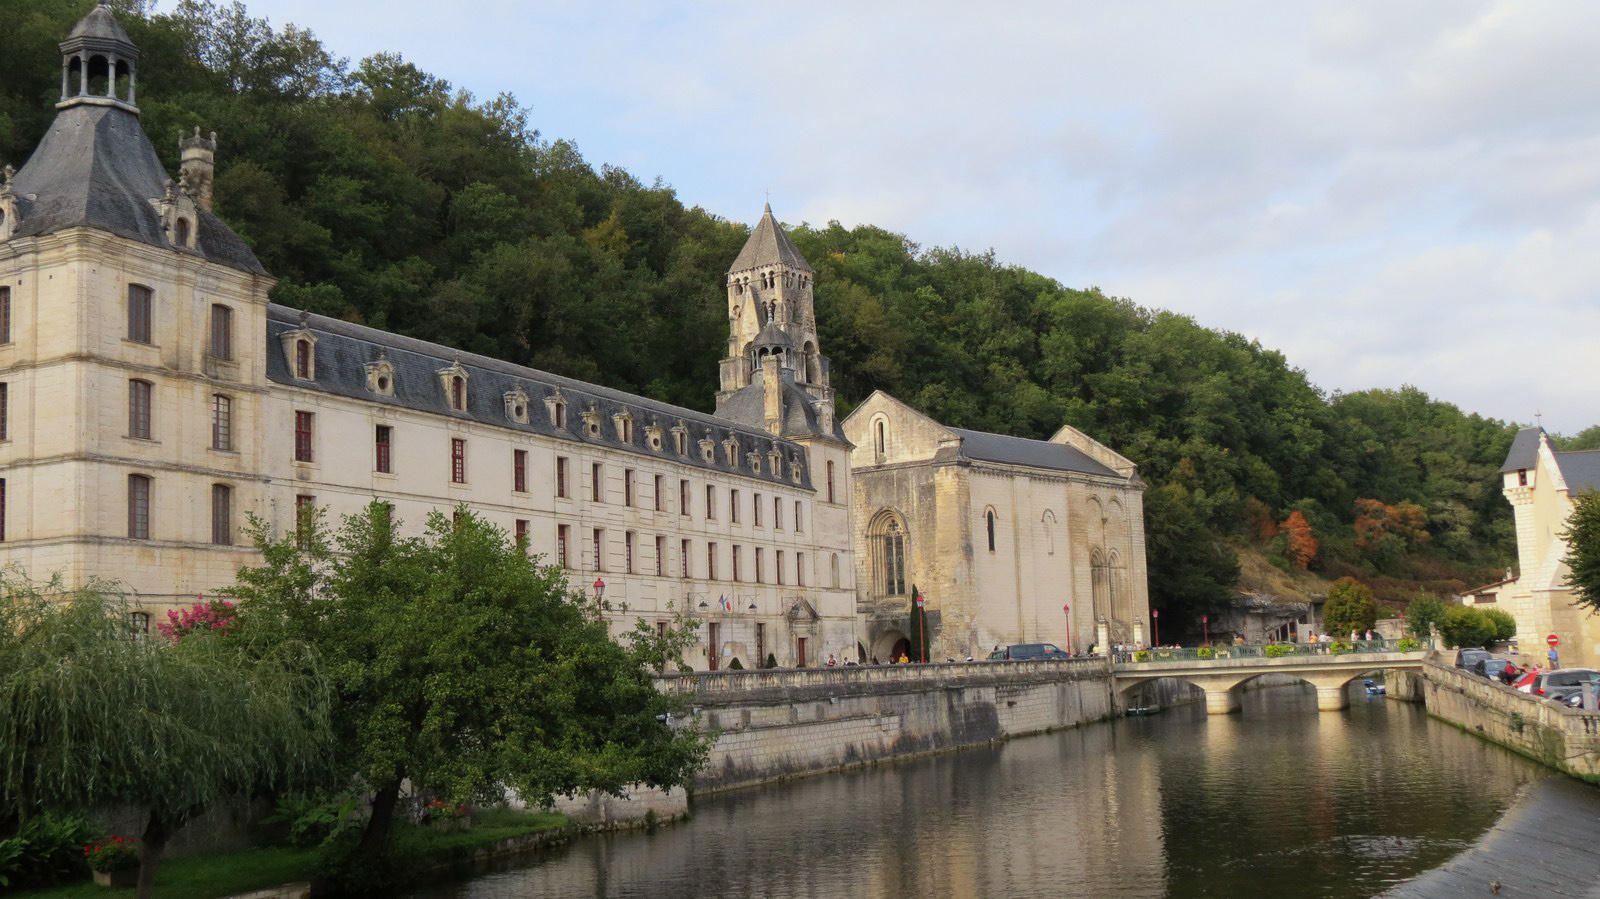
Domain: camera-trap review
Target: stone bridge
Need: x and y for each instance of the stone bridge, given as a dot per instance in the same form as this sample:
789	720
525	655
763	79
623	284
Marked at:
1220	678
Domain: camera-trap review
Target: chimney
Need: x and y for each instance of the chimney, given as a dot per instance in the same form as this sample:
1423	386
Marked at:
196	166
772	395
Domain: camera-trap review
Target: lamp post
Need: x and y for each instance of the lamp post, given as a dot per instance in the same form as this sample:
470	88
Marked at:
1066	609
922	629
599	591
1155	627
1205	628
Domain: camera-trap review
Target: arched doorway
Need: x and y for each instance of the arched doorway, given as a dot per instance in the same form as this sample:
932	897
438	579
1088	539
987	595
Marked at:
889	645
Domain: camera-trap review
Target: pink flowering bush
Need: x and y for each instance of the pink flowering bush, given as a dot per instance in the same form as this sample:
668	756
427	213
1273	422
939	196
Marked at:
112	854
216	615
440	810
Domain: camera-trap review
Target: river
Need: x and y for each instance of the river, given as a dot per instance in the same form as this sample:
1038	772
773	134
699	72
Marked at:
1279	800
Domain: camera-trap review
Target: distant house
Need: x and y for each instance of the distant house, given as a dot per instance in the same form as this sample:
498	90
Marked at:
1540	482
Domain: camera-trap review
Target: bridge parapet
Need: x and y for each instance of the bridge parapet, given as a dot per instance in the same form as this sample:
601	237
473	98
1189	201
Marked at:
1220	677
706	686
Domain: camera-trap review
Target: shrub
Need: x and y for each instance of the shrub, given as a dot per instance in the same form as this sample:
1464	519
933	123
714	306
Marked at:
735	665
313	821
1141	655
1204	652
1408	644
46	848
1275	650
1466	626
1423	613
1505	627
772	661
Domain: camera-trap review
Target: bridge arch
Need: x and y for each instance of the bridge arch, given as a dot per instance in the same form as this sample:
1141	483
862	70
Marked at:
1221	679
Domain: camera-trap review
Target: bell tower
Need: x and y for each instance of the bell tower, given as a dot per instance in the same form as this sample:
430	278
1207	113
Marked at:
771	312
99	64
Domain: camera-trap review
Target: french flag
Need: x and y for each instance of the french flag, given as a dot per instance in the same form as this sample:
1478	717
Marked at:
723	601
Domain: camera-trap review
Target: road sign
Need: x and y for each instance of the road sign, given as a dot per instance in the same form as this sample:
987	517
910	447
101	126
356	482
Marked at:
1553	640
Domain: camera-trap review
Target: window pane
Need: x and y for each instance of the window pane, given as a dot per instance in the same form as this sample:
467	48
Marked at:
139	298
221	515
221	332
139	409
221	422
138	507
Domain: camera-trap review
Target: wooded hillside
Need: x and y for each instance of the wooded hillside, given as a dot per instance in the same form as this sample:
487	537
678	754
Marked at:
378	193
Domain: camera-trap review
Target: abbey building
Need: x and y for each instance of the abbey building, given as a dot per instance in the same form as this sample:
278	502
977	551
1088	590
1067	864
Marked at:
151	396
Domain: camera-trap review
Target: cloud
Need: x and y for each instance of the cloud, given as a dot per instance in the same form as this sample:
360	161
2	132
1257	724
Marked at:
1388	193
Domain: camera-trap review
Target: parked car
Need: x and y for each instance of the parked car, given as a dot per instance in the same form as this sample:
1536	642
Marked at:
1020	652
1495	669
1563	682
1559	683
1469	658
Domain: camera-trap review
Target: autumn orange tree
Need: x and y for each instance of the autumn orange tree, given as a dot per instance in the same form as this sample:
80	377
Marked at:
1299	540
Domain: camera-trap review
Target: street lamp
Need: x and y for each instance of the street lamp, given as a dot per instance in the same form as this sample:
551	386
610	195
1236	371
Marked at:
1205	628
1155	626
1066	609
599	590
922	628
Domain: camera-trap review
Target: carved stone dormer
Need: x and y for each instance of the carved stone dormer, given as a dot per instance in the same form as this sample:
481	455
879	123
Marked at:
556	405
197	165
652	434
591	421
775	460
453	381
708	447
753	459
9	218
680	438
517	404
623	423
795	469
380	375
730	447
180	217
300	350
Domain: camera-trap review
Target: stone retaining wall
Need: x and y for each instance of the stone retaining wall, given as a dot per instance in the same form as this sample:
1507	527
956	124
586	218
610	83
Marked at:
1565	739
777	724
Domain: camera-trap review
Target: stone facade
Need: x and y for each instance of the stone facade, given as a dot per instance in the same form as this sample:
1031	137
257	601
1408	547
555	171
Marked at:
152	397
998	533
1540	482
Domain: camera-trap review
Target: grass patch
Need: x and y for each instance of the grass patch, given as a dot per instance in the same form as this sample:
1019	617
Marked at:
228	873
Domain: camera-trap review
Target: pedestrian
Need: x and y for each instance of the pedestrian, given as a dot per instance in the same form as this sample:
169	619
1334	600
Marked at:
904	659
1554	661
875	661
832	662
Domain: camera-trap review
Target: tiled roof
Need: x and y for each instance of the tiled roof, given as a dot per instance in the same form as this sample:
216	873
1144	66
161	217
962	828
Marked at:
1581	469
343	351
981	445
96	168
768	244
748	406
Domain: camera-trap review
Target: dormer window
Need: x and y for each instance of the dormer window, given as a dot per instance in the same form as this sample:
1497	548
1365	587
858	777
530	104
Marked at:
624	423
754	460
652	435
708	448
795	470
454	381
680	438
380	376
731	448
181	233
556	406
300	348
517	405
1522	477
591	421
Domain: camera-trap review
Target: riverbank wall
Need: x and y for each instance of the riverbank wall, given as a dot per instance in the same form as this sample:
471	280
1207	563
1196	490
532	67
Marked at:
776	724
1567	740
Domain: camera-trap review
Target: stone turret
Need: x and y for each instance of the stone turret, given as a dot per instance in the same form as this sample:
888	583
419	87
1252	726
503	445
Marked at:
99	64
197	165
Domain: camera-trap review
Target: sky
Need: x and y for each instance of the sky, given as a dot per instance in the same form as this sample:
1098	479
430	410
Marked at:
1386	193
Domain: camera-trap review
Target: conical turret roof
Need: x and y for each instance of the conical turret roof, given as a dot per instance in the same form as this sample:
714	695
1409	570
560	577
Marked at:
100	30
768	245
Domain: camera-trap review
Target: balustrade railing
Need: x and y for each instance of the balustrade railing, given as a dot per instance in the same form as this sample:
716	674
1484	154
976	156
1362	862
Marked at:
1223	651
930	674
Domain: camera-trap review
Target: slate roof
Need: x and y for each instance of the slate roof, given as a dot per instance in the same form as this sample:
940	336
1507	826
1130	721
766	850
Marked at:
768	244
1524	452
1581	469
343	350
986	447
96	168
748	406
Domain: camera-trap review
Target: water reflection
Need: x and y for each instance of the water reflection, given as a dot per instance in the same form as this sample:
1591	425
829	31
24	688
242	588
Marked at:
1280	799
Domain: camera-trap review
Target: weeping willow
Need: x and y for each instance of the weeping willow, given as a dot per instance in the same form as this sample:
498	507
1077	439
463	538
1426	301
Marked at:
94	715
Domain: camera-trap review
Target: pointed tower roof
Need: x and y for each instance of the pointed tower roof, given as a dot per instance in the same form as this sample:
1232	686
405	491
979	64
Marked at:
100	30
768	244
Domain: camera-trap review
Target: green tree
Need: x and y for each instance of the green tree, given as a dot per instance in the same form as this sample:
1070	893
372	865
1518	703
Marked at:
1583	549
1424	613
98	716
1349	607
464	667
1505	627
1466	626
